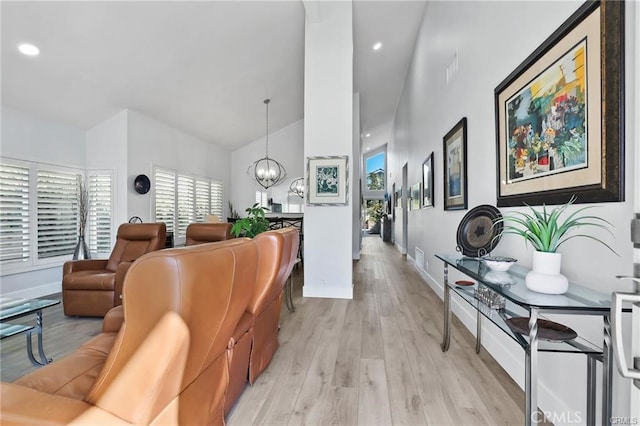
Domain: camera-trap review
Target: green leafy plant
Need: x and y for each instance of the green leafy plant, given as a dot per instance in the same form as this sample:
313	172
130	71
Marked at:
546	232
376	210
252	225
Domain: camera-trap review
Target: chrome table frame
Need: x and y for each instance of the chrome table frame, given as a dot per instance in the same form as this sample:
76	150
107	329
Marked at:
532	346
11	309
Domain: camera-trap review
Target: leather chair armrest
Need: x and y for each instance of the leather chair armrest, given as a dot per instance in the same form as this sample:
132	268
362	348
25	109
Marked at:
83	265
113	320
151	380
121	271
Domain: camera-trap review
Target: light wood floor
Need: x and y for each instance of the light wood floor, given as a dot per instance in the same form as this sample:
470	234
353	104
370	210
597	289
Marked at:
373	360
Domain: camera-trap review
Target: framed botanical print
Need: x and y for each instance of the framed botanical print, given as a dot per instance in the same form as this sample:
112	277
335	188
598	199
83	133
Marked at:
328	180
454	146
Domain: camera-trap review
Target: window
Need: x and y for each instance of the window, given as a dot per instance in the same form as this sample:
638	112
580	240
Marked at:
57	213
375	166
193	198
99	222
261	199
14	213
165	195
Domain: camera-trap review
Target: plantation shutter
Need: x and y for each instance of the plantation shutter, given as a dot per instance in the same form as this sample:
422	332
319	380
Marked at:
261	198
57	213
186	203
165	192
14	213
99	222
216	198
202	200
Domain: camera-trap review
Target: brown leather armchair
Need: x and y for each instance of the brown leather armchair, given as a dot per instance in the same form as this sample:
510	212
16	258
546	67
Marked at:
92	287
255	339
205	288
200	233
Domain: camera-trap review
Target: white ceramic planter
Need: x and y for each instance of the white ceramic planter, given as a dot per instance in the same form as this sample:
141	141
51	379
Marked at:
545	276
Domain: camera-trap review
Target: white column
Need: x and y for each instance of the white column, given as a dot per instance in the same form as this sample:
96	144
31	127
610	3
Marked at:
328	112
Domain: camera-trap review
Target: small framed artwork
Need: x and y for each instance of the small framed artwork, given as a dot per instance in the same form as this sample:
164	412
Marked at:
399	198
427	182
415	196
393	201
328	180
455	167
560	114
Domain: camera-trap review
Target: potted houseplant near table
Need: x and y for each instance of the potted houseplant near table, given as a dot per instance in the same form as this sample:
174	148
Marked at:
252	225
547	232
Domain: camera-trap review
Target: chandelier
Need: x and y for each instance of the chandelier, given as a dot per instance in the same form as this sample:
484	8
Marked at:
297	187
266	171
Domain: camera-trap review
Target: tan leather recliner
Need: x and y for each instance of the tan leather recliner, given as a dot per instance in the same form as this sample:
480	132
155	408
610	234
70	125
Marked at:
208	287
255	339
200	233
92	287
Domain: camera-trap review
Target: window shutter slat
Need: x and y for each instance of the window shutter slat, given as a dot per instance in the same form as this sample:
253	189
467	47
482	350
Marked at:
165	205
57	213
99	222
14	205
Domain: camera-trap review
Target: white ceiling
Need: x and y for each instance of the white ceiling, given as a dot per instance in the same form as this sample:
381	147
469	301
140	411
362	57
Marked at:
202	67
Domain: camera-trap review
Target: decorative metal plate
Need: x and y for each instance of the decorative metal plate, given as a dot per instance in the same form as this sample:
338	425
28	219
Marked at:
477	233
142	184
547	330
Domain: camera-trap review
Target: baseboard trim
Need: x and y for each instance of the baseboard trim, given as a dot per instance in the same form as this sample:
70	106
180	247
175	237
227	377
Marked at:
328	292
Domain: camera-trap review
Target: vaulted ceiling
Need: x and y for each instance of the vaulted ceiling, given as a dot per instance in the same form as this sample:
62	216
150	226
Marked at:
202	67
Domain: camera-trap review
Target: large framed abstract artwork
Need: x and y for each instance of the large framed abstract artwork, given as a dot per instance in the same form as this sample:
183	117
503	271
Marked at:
328	180
560	114
455	167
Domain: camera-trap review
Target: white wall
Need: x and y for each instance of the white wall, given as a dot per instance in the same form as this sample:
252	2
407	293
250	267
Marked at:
29	138
286	146
153	143
490	43
356	185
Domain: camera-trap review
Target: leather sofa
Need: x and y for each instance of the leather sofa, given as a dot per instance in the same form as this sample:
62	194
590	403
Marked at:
92	287
168	361
255	339
200	233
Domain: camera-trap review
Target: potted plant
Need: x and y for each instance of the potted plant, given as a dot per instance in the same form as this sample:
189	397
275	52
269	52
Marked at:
253	224
376	212
547	232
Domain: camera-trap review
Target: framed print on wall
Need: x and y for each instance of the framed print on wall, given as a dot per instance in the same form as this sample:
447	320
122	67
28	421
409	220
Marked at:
455	167
415	196
328	180
427	182
560	114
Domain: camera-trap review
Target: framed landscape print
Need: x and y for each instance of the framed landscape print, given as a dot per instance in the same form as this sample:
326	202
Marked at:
560	117
399	198
328	180
455	167
415	196
427	182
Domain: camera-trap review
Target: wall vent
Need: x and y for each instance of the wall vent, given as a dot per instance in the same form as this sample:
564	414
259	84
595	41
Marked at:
420	259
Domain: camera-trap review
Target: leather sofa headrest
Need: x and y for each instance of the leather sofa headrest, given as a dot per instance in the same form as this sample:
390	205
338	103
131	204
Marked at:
141	231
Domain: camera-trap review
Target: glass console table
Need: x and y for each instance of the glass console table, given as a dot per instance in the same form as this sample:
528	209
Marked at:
521	302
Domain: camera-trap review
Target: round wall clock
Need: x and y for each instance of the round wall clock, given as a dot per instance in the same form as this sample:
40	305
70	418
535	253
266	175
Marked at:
477	233
142	184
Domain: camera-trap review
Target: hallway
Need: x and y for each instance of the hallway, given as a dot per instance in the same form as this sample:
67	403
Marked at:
376	360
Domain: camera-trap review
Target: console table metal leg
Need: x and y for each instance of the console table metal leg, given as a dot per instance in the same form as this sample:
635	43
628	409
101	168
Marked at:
531	372
446	336
607	372
38	329
478	331
591	390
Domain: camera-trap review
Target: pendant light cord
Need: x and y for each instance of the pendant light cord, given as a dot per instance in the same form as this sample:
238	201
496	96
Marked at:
266	101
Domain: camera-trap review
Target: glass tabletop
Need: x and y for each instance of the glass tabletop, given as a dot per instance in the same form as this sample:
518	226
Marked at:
14	308
511	285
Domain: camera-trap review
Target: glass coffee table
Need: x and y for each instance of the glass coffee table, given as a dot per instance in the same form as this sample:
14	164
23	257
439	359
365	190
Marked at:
11	309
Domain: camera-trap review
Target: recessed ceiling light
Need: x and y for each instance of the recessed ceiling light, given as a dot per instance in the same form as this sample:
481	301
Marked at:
367	135
368	148
377	46
28	49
